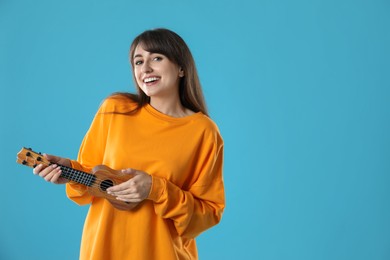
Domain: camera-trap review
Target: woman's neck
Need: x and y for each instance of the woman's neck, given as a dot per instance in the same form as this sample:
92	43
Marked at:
171	107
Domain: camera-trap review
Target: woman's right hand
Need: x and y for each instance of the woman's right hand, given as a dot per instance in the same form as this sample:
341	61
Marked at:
52	173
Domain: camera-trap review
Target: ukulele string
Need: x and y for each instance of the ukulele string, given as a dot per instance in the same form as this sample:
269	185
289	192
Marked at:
96	181
95	184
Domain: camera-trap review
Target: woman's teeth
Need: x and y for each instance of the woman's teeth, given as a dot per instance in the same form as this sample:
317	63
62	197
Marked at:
148	80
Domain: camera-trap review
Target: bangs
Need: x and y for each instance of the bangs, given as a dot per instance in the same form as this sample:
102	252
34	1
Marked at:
156	46
162	42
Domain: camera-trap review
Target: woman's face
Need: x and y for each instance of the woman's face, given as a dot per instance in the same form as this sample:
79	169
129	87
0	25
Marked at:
155	74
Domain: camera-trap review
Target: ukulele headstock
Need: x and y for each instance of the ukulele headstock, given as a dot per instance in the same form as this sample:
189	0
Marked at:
28	157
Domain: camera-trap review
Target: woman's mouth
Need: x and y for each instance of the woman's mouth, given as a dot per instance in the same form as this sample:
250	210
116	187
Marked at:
150	80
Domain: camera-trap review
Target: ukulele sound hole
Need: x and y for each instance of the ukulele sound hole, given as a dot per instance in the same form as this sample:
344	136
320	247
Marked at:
104	185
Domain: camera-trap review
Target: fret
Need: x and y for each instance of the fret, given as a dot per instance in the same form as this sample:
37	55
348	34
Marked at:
77	176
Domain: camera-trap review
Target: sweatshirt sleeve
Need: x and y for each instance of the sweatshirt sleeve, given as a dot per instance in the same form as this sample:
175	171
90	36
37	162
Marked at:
90	154
78	192
201	206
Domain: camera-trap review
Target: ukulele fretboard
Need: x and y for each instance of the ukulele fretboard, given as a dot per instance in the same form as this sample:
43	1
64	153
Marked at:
77	176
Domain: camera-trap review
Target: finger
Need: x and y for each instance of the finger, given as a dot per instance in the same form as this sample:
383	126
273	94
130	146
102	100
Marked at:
130	190
120	188
52	158
134	197
56	175
53	175
37	169
47	170
129	171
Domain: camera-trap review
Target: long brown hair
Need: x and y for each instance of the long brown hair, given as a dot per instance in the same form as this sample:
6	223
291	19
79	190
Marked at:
171	45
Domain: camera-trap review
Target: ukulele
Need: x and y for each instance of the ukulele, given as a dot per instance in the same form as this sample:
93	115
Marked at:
97	182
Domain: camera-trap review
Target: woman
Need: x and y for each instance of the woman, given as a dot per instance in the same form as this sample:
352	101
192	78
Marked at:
164	138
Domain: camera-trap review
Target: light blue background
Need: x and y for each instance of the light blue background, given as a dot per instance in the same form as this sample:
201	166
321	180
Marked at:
299	89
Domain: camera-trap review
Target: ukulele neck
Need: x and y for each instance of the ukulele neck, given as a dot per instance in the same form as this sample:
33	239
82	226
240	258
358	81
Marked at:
77	176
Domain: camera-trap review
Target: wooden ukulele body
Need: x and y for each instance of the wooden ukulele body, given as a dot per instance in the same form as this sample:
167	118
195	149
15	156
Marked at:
105	178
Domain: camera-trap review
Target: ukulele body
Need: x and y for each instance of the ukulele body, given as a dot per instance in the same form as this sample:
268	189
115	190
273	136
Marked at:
105	178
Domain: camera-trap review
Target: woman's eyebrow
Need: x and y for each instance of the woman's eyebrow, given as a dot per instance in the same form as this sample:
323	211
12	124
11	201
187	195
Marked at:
151	53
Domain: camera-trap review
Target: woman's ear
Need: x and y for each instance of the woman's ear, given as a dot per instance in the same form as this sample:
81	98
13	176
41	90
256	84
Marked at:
181	72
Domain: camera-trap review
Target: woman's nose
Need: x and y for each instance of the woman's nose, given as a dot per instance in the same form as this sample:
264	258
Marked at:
146	67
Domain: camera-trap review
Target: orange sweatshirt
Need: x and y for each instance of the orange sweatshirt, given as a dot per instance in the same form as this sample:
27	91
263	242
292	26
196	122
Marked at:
183	156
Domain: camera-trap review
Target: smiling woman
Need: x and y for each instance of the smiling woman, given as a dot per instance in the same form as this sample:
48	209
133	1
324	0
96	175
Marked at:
165	46
158	77
163	138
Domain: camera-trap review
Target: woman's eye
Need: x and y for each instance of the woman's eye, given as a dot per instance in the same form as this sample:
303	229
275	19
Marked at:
157	58
137	62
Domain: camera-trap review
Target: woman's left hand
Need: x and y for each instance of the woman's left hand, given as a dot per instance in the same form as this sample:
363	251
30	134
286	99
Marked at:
134	190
